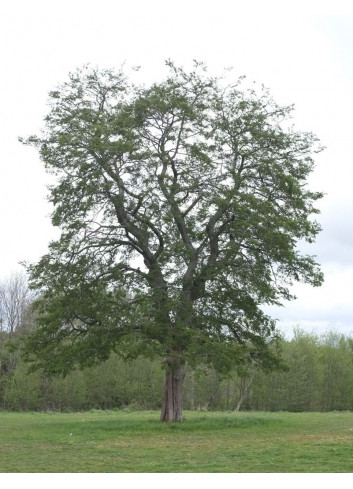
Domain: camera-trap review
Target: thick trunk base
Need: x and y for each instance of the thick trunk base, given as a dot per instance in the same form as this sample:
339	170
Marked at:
172	409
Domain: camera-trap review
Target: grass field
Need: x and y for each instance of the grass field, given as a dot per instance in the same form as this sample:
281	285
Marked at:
121	441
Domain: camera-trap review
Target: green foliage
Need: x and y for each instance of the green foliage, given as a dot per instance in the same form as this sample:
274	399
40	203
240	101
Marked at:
23	392
319	377
336	363
180	207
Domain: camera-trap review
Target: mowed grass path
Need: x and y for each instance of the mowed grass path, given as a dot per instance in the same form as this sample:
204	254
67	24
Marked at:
204	442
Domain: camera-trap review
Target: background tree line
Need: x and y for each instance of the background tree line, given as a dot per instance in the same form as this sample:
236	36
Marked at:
319	375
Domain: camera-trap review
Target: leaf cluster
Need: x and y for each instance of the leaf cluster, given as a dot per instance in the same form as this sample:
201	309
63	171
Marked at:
181	206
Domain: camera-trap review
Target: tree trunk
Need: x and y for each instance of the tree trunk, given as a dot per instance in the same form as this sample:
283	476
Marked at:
243	394
172	409
192	392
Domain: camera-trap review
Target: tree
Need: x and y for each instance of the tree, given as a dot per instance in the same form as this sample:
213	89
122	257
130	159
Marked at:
180	206
15	299
336	365
15	320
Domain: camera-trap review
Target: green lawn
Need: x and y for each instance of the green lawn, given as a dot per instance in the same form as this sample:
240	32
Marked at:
204	442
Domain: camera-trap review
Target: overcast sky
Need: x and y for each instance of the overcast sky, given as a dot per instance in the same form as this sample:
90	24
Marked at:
303	54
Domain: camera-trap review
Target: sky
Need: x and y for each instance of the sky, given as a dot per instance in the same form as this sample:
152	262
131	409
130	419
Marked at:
302	53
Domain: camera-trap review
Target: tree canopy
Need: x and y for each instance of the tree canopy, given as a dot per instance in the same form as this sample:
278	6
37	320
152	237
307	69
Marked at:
181	206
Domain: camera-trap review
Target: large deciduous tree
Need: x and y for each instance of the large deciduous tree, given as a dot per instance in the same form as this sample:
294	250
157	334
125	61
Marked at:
180	207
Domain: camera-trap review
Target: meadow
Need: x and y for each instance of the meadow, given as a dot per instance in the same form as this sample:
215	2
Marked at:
208	442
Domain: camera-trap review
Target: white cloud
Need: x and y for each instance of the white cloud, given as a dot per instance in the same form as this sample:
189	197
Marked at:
329	306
